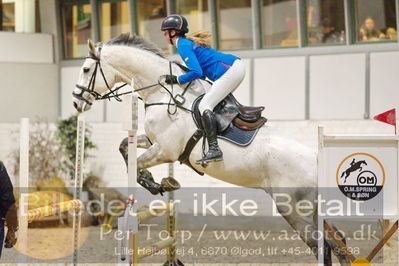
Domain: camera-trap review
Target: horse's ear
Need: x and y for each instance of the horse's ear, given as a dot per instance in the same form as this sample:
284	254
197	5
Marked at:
92	48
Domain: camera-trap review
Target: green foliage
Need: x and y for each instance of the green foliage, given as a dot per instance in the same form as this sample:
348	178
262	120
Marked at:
66	135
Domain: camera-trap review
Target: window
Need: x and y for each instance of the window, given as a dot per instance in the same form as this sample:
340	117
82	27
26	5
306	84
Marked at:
76	29
114	19
196	12
235	24
375	20
279	23
325	20
150	14
19	16
7	16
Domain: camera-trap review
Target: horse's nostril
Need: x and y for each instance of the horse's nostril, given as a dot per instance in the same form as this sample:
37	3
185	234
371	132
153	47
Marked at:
75	105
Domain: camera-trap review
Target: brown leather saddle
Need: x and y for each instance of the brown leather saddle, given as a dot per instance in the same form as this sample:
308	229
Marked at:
230	111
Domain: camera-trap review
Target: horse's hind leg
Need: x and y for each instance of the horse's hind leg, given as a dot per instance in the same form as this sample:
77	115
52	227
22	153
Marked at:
331	245
327	259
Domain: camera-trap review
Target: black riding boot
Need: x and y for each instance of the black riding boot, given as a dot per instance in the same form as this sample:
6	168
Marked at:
209	123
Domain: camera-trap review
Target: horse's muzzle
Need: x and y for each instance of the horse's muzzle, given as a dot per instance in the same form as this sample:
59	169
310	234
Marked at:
81	100
80	106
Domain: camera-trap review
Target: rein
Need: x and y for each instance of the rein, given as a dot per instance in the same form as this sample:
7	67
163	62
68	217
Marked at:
177	100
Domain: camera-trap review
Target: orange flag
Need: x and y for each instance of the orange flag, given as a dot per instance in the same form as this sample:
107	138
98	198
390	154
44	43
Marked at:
388	117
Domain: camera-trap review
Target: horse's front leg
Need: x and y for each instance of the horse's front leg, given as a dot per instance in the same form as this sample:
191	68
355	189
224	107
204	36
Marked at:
152	157
142	143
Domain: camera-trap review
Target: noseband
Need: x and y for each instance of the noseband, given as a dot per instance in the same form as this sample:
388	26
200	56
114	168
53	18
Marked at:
113	93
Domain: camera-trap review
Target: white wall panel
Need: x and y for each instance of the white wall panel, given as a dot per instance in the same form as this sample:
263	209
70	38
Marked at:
28	90
337	86
242	93
116	111
280	86
26	47
384	82
69	77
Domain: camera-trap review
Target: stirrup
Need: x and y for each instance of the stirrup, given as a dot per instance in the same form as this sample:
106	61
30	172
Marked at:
204	161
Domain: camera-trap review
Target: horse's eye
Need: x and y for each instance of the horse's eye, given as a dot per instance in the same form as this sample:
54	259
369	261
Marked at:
86	69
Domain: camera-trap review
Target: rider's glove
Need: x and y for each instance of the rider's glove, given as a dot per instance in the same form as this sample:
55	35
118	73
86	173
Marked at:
12	226
171	79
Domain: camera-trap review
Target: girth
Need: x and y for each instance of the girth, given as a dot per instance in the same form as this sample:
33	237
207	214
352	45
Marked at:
184	157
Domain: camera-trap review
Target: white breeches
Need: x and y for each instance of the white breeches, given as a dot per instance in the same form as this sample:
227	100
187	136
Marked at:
226	84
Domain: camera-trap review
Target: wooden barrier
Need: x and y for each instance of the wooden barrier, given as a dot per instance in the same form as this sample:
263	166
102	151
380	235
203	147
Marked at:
154	212
54	209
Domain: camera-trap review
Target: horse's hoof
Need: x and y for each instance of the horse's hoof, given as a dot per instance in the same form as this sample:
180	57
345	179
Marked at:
169	184
146	180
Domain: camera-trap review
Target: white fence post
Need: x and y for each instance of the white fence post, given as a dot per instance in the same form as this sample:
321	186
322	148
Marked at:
23	189
128	222
78	183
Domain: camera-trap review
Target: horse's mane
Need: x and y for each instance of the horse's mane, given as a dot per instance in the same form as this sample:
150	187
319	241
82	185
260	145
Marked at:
132	40
129	39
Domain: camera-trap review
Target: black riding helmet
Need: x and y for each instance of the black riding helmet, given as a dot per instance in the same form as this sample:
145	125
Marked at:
177	23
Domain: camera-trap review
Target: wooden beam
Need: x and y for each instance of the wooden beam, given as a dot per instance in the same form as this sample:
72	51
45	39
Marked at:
383	241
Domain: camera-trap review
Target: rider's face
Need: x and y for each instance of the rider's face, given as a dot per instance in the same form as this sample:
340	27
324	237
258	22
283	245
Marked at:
166	35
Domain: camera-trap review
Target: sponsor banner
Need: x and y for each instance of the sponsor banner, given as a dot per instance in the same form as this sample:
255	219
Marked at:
361	169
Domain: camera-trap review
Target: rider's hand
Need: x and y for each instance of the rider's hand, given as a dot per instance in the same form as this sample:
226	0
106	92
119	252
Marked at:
171	79
10	238
12	226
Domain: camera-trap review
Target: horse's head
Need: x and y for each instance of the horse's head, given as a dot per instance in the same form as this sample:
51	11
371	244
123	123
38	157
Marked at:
95	78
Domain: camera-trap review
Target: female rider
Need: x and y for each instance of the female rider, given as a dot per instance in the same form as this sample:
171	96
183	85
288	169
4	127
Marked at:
226	70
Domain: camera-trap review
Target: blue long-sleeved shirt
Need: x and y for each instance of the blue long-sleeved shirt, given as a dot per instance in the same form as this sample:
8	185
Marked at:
202	61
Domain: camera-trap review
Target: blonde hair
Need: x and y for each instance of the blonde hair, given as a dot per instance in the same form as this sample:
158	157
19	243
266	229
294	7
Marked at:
201	37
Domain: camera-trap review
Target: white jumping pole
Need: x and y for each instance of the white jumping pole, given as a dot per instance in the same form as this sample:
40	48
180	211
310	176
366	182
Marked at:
23	187
171	223
80	141
128	222
132	171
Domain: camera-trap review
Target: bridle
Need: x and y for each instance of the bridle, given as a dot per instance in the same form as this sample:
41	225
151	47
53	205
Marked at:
177	100
113	93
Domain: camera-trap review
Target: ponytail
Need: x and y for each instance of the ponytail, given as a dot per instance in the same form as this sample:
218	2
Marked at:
201	37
